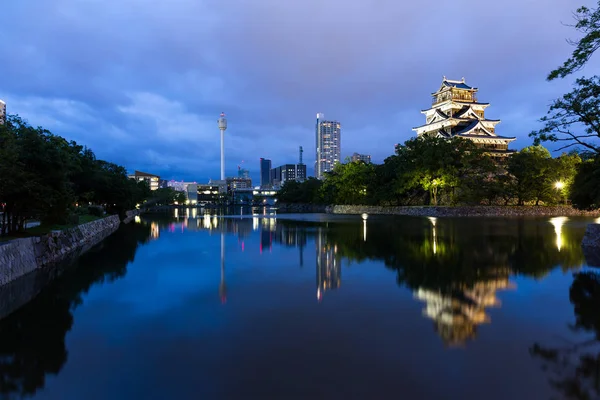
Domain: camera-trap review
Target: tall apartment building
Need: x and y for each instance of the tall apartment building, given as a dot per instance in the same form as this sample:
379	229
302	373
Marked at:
366	158
2	112
328	137
265	173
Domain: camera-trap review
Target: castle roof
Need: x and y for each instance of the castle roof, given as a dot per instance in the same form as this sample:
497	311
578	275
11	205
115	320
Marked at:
456	84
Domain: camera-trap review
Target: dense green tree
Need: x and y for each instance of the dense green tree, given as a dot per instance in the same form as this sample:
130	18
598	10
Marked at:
585	190
533	175
348	183
44	176
301	192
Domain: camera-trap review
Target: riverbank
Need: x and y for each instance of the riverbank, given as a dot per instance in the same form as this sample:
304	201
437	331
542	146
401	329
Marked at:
22	256
464	211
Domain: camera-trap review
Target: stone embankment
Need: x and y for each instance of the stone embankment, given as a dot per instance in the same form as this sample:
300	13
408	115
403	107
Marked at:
301	208
464	211
21	256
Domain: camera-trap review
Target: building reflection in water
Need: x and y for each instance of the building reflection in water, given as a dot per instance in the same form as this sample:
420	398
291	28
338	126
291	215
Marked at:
154	230
558	223
457	314
329	268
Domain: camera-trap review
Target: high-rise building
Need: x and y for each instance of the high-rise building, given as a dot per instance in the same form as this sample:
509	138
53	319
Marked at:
455	112
265	173
243	173
366	158
288	172
328	137
2	112
234	183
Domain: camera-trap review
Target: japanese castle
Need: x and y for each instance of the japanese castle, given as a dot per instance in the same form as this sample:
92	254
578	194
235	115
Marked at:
455	112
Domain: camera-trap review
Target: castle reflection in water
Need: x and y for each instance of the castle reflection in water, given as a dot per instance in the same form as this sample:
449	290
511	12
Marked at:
458	280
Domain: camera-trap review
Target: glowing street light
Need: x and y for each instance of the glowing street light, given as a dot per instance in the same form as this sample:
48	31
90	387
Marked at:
559	185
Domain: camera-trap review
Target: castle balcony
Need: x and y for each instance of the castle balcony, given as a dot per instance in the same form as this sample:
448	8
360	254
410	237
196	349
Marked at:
456	97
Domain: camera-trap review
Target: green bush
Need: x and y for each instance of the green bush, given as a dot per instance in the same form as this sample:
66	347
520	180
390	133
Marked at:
96	211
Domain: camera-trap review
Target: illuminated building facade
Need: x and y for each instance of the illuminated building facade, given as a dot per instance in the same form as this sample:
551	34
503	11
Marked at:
152	180
366	158
328	138
288	172
455	112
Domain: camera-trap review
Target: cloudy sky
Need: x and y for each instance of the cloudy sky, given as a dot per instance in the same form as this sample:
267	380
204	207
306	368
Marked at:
142	82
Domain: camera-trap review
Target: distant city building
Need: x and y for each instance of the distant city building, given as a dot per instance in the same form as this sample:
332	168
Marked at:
2	112
328	137
152	180
288	172
455	112
243	173
207	193
265	173
234	183
191	193
366	158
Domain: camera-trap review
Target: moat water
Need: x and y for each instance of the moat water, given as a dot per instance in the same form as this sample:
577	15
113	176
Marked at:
315	306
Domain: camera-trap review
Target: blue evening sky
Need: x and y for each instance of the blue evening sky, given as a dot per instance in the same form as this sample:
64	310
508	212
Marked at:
142	82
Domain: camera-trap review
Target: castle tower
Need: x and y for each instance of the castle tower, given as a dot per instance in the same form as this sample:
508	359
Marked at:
455	112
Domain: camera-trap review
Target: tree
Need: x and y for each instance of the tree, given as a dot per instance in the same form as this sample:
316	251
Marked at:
574	118
532	169
588	23
348	183
585	190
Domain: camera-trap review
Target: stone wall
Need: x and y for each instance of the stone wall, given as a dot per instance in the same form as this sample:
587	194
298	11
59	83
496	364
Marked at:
475	211
21	256
301	208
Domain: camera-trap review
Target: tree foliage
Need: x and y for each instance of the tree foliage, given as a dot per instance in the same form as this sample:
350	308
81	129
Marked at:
587	23
44	176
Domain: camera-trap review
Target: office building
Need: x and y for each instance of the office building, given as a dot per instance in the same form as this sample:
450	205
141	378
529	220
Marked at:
328	137
234	183
455	112
2	112
288	172
207	193
152	180
243	173
265	173
366	158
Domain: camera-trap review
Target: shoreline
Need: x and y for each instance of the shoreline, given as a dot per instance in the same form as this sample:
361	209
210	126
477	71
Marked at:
20	257
464	211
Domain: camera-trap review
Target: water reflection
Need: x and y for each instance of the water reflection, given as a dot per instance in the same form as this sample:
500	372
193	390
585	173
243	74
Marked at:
558	223
32	339
329	271
574	366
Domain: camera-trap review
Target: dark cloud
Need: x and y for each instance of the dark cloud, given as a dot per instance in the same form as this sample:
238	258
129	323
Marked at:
142	83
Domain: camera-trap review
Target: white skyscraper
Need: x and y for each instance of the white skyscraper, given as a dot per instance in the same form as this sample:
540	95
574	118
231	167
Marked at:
328	145
2	112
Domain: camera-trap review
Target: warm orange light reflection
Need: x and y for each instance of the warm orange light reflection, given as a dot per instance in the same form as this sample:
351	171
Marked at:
558	223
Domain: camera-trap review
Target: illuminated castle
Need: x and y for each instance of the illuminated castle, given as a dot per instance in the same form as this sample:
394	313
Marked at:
455	112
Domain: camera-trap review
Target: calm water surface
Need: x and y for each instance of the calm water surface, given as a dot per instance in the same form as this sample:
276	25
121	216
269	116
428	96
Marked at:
315	306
